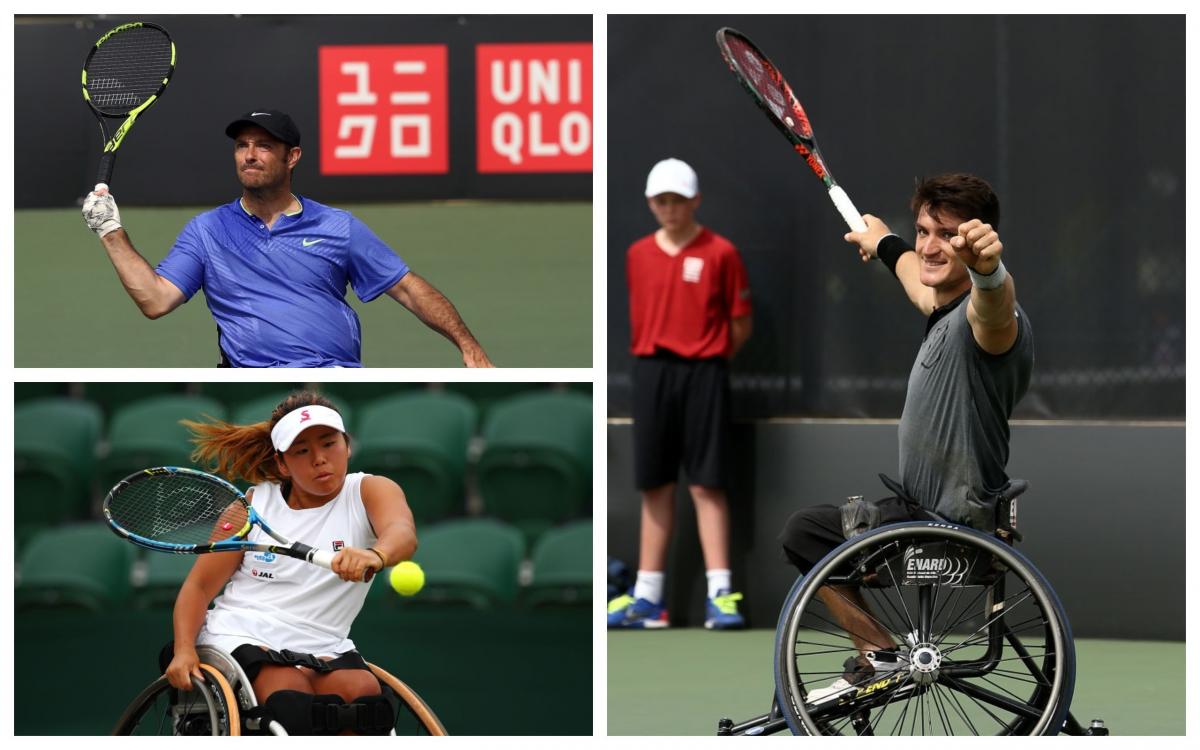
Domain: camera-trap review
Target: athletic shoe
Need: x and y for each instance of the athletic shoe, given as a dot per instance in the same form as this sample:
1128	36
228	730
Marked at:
627	612
720	613
859	670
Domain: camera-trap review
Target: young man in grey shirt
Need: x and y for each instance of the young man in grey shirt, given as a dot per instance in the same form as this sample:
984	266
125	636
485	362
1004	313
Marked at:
972	368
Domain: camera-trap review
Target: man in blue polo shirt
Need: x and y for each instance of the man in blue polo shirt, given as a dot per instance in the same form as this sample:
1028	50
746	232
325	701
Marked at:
274	266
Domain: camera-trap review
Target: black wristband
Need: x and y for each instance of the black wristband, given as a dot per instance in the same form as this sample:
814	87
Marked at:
889	250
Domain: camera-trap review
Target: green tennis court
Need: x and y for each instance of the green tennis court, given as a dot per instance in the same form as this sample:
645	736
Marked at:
683	681
519	274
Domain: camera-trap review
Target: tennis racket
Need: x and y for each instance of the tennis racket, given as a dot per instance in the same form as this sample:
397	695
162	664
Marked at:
766	84
125	72
189	512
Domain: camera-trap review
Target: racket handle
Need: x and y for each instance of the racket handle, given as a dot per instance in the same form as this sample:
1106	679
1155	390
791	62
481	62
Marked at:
324	558
851	215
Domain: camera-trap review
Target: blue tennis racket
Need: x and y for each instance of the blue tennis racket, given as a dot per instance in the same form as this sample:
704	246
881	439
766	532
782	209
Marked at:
188	512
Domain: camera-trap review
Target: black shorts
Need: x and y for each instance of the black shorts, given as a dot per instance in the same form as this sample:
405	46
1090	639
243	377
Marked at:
813	532
680	418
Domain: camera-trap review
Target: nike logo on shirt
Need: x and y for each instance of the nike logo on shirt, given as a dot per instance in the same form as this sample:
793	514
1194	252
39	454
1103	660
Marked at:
306	243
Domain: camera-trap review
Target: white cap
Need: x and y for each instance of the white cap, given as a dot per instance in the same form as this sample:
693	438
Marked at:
672	176
285	431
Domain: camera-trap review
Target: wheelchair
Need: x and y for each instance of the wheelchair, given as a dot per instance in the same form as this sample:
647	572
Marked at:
217	704
983	645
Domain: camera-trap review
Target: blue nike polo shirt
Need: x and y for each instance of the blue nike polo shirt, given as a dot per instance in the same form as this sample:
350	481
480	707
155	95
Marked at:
279	295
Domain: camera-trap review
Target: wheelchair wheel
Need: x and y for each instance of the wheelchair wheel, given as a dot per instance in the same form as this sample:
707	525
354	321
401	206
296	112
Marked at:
415	716
208	709
981	642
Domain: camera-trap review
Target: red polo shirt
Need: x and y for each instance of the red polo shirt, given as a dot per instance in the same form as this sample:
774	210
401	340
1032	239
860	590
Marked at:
684	303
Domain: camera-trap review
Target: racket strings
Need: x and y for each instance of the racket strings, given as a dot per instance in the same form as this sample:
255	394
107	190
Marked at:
178	510
128	68
760	74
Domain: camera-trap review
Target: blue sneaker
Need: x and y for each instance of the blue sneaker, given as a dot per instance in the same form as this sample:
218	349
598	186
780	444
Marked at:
627	612
721	612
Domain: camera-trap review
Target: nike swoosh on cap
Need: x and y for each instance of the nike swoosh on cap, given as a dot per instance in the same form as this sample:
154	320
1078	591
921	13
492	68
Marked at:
256	114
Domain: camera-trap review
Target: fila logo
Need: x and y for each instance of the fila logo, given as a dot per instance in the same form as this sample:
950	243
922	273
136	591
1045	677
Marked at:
304	416
338	545
691	269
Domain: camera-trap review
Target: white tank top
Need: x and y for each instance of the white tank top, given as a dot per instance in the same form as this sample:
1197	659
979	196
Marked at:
280	602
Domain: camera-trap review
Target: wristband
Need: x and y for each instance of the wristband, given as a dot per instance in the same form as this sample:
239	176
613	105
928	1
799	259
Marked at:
986	281
379	555
889	249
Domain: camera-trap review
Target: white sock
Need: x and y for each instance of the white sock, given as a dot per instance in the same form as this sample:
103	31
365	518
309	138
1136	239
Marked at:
718	581
649	586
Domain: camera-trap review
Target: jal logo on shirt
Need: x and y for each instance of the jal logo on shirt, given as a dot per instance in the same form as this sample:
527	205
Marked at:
691	269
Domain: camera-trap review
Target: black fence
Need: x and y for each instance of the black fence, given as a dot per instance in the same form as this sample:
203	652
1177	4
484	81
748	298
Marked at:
390	107
1078	123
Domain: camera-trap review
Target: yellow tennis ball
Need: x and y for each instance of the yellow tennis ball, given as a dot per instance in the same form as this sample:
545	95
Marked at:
407	578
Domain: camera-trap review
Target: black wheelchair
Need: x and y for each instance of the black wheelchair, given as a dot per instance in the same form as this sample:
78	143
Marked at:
983	643
219	705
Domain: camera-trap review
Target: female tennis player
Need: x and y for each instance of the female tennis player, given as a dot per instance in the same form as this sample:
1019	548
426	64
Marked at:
287	622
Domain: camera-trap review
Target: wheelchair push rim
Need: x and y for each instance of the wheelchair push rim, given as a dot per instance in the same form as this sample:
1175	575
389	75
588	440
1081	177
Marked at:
983	644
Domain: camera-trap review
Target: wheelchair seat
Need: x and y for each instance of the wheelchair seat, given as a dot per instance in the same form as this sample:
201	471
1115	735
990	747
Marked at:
219	704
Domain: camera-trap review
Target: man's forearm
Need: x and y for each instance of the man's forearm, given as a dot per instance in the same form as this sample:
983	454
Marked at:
994	308
136	274
433	309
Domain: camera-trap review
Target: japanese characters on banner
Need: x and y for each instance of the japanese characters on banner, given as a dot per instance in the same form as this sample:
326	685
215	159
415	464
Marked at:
385	109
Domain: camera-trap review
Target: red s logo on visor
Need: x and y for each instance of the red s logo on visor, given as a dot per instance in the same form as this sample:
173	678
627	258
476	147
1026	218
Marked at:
304	417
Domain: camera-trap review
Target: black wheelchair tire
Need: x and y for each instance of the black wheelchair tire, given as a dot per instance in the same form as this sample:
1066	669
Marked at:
1057	706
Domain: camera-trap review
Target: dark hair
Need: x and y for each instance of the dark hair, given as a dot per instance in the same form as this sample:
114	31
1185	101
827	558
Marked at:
246	451
963	195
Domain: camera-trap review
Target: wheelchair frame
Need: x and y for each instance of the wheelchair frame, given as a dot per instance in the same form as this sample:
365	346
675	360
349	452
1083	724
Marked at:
865	556
225	694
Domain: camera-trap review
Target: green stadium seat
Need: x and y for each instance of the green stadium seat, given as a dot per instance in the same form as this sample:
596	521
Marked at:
358	394
164	575
419	439
148	433
487	395
536	466
79	565
113	396
260	409
562	566
54	448
474	561
234	395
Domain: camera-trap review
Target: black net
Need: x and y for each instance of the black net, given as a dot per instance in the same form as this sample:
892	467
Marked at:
128	68
177	508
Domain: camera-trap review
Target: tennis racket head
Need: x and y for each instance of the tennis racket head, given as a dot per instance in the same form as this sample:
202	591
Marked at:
125	72
176	509
128	68
763	81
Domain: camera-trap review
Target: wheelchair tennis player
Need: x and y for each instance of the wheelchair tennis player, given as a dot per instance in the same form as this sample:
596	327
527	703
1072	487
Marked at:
972	368
287	622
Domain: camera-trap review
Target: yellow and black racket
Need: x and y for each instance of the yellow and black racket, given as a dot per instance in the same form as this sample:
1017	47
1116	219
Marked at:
125	72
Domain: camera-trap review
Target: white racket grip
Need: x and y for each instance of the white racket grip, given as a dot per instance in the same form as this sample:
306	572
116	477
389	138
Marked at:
324	558
853	218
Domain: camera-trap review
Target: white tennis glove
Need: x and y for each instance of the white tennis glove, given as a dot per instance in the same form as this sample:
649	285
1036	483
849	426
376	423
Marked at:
100	211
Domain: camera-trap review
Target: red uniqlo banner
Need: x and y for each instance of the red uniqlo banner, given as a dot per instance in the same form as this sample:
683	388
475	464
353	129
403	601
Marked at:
534	110
384	109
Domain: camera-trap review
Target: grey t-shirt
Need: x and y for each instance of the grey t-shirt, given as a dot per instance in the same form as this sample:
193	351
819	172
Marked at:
954	429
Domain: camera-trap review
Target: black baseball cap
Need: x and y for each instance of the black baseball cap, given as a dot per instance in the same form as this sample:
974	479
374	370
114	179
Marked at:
273	121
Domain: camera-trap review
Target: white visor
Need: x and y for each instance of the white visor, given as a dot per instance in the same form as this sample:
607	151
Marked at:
285	431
